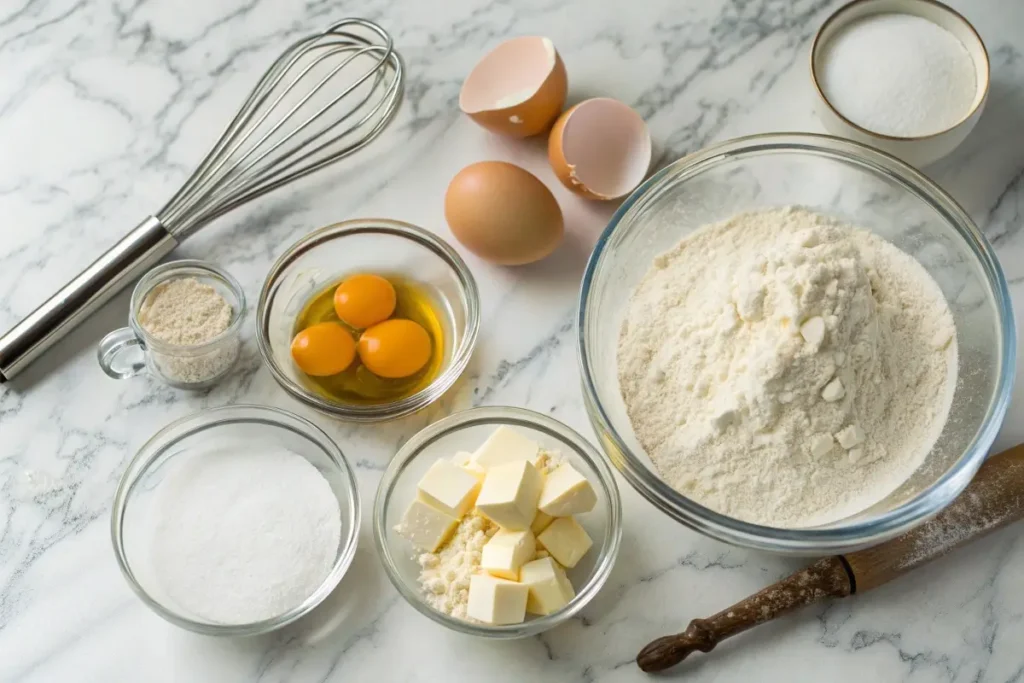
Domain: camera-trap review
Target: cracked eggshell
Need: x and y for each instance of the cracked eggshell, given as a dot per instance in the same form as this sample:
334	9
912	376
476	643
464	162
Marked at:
517	89
600	149
503	213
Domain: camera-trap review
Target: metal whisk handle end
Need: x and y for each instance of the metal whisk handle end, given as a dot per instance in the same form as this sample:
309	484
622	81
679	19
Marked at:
109	274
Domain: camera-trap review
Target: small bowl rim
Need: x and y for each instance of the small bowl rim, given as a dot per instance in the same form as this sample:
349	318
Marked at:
505	415
388	228
981	91
167	271
234	414
815	540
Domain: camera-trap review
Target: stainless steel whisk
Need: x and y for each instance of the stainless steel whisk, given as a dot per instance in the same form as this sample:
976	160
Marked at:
326	97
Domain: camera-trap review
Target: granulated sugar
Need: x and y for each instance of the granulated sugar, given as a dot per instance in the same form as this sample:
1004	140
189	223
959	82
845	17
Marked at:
786	369
898	74
239	537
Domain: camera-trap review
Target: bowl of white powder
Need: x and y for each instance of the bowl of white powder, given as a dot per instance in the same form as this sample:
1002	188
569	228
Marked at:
795	343
236	521
909	77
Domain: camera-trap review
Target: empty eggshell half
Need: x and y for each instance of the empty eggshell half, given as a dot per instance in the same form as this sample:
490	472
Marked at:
517	89
600	149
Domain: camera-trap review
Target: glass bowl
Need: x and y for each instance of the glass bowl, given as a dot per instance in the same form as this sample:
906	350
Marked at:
867	188
374	245
243	427
465	431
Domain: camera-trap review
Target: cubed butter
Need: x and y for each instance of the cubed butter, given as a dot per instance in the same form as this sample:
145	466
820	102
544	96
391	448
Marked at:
449	488
541	521
566	493
550	589
496	601
506	552
509	495
506	445
426	526
462	458
566	540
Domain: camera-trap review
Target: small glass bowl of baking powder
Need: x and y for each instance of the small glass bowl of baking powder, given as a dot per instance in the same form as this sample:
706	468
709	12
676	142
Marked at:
465	431
183	327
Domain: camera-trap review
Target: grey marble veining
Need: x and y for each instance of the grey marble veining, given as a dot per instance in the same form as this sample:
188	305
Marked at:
106	105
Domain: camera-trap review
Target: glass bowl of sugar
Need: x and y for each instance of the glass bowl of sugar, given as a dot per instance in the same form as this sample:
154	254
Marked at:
236	521
727	463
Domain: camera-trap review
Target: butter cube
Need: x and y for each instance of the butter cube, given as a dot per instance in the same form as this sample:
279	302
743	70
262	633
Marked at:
541	521
506	445
449	488
506	552
550	589
464	459
426	526
496	601
509	495
566	492
566	540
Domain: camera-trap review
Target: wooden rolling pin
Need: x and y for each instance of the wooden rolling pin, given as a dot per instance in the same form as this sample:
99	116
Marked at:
993	499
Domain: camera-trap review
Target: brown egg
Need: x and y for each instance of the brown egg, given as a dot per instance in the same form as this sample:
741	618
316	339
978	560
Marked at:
600	149
502	213
517	89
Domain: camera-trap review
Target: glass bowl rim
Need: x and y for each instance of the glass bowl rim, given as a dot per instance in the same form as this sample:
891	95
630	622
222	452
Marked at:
208	419
389	228
167	271
492	415
839	537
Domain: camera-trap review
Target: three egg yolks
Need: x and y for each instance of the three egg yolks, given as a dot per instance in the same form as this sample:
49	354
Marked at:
390	348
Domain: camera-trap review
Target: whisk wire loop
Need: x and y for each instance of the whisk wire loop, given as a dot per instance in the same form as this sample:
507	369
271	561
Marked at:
282	132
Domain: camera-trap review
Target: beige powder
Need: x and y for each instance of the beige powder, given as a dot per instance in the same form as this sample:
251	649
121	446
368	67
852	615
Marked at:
185	312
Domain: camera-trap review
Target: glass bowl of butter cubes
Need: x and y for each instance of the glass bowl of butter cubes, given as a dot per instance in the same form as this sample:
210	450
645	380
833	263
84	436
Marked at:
498	522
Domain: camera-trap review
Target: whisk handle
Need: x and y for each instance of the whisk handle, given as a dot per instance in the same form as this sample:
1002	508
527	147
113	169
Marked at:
108	275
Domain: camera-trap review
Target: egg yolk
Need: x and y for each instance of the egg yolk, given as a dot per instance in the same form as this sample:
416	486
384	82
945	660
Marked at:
395	348
323	349
364	300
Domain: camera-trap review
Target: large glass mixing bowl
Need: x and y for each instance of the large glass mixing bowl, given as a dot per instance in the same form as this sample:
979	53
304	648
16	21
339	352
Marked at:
866	188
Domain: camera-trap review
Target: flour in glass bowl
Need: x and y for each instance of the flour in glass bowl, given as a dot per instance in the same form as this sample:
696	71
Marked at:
786	369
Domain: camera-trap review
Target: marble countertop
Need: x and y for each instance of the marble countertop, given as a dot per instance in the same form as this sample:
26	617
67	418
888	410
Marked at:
105	105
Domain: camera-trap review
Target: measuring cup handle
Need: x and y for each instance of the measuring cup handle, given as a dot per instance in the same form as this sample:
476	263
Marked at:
122	354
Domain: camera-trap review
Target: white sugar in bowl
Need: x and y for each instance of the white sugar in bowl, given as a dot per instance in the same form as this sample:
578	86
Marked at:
895	74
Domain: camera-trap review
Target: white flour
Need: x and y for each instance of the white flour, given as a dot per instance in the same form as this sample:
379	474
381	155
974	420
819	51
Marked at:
786	369
444	575
243	536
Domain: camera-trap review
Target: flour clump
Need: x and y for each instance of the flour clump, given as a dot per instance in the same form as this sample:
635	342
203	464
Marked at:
786	369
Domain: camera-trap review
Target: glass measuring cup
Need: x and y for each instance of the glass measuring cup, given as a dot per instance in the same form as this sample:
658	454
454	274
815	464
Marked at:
131	350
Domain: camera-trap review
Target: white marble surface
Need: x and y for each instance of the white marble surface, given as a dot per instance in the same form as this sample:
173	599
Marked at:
104	107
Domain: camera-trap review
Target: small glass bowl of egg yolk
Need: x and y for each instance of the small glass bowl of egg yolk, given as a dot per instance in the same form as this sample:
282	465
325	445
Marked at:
369	339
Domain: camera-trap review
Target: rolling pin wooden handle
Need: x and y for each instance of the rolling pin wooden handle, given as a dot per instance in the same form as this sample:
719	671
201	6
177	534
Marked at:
825	578
993	499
